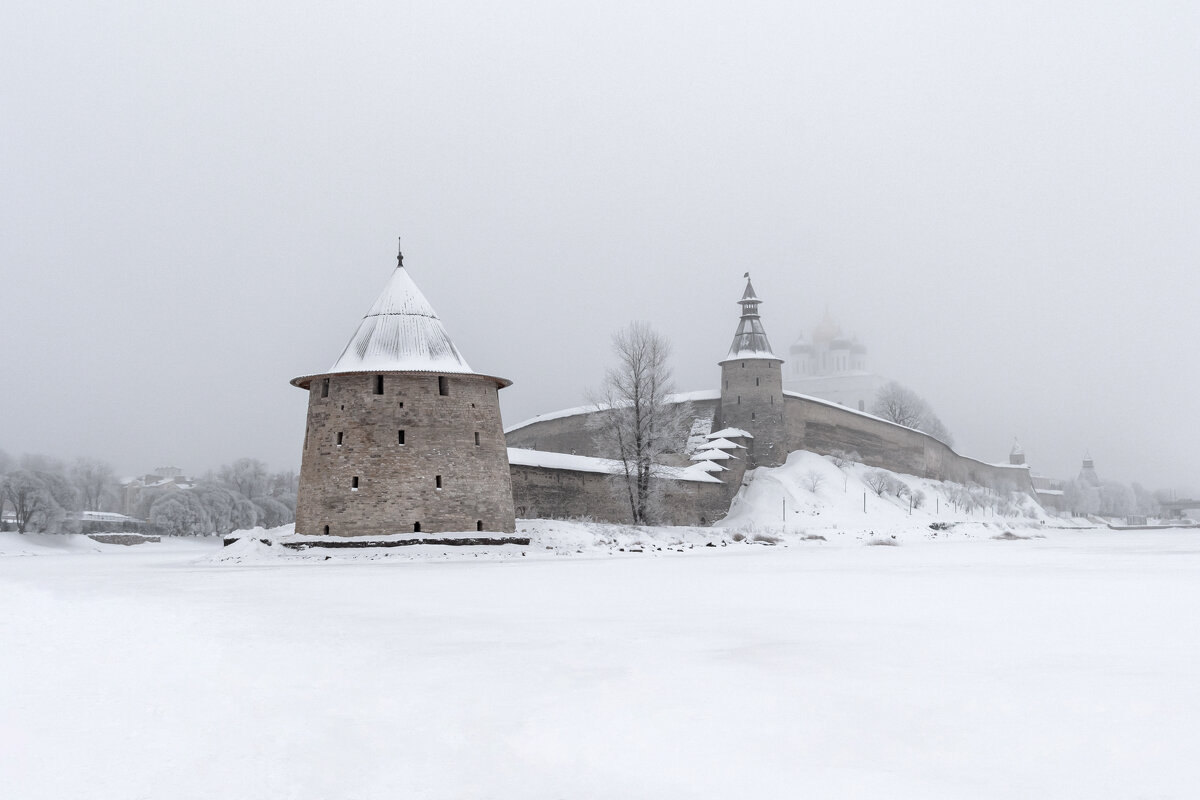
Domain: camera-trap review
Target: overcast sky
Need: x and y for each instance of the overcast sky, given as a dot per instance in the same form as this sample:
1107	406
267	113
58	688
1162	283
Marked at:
200	200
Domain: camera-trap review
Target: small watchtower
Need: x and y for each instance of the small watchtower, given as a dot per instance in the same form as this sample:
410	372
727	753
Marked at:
752	387
402	435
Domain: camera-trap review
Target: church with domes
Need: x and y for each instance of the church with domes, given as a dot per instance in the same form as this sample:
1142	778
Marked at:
832	365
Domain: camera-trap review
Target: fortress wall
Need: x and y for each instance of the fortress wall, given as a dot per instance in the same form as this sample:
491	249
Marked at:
821	427
572	434
809	424
562	494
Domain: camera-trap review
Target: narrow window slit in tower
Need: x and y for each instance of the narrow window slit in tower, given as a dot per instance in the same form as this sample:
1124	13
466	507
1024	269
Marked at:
478	524
437	480
756	380
443	386
378	384
326	530
354	484
339	439
739	402
752	416
325	387
477	438
416	527
400	437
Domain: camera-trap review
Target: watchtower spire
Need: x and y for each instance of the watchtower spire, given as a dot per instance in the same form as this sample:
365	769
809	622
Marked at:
750	340
399	253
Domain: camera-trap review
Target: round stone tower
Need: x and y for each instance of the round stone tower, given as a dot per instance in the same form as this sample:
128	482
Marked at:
402	436
752	388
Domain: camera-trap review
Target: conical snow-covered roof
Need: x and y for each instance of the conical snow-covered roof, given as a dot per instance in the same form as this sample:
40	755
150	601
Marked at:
750	339
401	332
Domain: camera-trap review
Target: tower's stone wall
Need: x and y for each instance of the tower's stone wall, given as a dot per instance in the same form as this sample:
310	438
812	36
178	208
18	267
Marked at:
397	483
752	399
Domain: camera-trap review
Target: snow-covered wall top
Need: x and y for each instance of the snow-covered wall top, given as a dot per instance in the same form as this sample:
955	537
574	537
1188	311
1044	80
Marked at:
519	457
401	333
685	397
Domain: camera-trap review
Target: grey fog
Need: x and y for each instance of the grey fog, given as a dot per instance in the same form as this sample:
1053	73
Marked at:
200	200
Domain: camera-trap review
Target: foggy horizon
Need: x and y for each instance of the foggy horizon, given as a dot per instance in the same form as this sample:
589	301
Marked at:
1000	201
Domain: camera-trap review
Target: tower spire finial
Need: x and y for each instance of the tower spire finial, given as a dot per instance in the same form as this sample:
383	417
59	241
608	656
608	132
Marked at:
399	253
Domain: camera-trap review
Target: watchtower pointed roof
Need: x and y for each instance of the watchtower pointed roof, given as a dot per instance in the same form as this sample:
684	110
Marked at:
401	332
750	340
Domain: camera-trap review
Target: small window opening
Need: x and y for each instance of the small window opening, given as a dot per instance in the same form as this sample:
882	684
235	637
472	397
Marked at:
752	416
443	386
400	437
325	387
416	527
477	438
772	399
378	384
354	483
756	380
401	404
478	524
326	530
739	402
437	480
339	439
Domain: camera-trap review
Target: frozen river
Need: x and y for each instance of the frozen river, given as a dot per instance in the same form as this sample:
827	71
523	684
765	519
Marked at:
1061	667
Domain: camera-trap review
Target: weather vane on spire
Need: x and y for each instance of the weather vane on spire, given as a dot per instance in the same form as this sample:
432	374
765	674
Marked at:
399	253
746	276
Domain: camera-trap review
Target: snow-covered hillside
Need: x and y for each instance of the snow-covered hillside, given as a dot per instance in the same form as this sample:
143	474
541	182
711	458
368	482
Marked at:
813	494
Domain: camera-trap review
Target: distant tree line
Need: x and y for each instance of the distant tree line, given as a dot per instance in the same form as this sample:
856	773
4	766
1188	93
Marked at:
43	494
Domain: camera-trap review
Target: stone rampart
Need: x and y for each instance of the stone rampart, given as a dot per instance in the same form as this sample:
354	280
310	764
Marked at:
564	494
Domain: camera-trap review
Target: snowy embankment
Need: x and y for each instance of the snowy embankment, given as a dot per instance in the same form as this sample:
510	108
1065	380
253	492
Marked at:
811	494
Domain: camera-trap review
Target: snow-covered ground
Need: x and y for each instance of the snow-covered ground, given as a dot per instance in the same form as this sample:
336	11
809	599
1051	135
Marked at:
956	667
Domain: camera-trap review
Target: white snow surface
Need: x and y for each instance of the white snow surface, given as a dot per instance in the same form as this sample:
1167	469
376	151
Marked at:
401	332
778	654
730	433
950	667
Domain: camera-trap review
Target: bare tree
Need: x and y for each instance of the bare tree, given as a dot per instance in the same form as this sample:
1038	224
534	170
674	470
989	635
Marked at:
95	481
31	500
901	405
813	480
637	424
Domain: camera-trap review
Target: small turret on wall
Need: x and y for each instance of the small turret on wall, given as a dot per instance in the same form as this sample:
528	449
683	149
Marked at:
752	388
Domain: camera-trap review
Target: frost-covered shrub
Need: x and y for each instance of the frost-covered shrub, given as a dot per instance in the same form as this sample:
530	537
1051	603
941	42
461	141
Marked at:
877	481
767	538
918	498
841	458
180	513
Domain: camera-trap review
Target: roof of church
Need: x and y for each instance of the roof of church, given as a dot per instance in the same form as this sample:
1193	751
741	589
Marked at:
400	333
750	340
